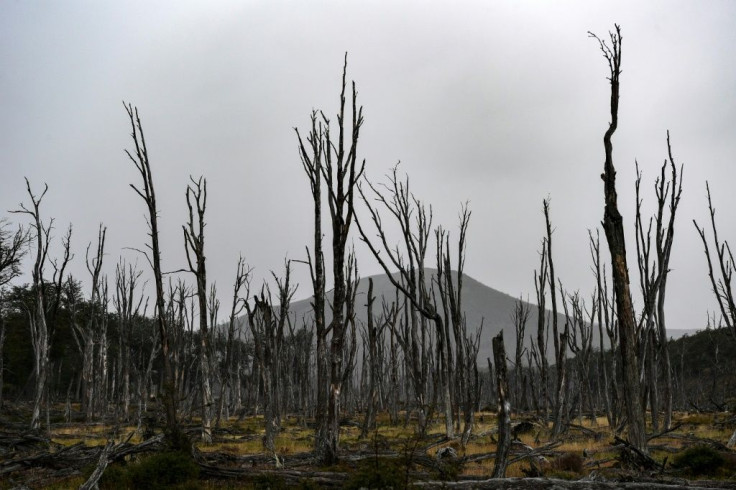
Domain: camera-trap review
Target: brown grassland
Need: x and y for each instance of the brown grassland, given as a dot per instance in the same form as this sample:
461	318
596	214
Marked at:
236	458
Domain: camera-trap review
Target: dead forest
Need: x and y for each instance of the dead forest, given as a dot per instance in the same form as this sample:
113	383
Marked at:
140	380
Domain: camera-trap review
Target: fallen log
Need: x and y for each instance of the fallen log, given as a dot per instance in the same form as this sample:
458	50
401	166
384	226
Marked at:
555	484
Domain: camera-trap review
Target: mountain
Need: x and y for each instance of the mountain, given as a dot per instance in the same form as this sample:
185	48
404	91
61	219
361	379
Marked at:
481	304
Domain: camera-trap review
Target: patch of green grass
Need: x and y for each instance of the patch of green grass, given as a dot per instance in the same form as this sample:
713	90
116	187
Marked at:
699	461
378	473
162	470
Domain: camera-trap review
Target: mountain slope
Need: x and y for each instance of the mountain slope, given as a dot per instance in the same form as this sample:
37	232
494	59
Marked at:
480	303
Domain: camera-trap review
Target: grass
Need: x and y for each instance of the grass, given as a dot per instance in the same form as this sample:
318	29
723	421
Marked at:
244	437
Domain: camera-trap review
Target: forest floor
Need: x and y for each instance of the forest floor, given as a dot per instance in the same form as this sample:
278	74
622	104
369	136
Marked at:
587	455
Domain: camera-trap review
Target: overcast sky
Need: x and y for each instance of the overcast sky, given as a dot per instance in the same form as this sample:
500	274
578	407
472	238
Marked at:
501	104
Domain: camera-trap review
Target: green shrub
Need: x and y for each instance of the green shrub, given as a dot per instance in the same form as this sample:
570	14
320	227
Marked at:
378	473
699	460
162	470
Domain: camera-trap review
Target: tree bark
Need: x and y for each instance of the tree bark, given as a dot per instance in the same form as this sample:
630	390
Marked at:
504	408
174	435
614	229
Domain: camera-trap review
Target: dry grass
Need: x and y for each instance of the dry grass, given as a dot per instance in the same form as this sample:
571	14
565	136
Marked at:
244	437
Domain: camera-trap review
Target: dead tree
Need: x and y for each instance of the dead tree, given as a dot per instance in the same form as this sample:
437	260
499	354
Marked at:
540	282
194	246
242	279
664	239
721	273
649	283
128	308
374	333
519	318
393	371
267	326
37	313
451	294
580	342
415	224
341	172
140	159
338	165
312	162
614	228
720	276
102	367
504	408
653	273
87	336
559	339
12	251
601	302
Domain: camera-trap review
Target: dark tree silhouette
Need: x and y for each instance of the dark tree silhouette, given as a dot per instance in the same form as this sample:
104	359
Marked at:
614	228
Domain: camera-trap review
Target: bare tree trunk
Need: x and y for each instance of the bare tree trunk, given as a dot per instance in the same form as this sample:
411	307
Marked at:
268	334
102	359
540	281
613	226
194	245
451	295
126	281
664	241
341	171
560	340
415	223
520	317
313	167
242	278
37	313
504	408
174	435
369	422
601	302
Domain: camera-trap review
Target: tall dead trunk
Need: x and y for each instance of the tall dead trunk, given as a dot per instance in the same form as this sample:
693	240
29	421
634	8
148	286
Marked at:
369	423
242	279
665	236
313	167
415	223
267	326
102	370
140	159
451	295
194	245
336	162
127	309
560	339
540	281
614	228
39	327
602	308
520	317
504	408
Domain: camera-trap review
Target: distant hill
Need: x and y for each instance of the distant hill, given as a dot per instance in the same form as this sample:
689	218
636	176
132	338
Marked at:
480	303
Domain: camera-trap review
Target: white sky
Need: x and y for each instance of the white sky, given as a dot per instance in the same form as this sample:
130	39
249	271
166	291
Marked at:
498	103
